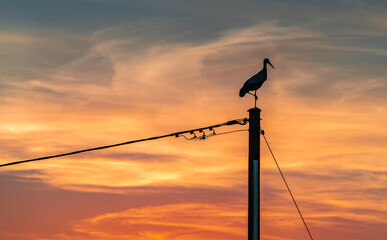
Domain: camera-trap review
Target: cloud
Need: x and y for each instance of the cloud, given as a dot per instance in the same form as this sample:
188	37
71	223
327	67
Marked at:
177	221
323	112
41	211
32	56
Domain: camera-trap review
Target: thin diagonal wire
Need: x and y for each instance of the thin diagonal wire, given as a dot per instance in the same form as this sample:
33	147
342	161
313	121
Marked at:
82	151
232	122
217	134
205	137
287	186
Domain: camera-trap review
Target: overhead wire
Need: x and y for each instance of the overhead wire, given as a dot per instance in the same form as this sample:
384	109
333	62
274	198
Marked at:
205	137
218	134
241	121
287	186
179	134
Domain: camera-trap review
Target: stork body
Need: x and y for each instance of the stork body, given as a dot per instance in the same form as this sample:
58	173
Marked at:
256	81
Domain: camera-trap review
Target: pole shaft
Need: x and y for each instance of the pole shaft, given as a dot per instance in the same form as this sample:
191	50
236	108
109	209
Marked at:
254	174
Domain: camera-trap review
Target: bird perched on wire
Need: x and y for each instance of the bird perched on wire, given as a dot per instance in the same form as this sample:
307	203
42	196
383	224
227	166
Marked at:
256	81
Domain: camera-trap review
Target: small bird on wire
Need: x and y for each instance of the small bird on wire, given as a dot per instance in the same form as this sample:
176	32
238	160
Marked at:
255	82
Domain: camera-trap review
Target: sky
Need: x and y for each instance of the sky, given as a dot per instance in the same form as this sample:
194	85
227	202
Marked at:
77	74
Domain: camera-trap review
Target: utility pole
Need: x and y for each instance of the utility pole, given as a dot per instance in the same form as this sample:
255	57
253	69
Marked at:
254	174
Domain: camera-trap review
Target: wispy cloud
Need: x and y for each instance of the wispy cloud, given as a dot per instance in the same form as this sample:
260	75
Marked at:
323	111
188	221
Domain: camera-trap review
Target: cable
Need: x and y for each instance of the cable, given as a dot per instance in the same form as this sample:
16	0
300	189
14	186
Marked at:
287	186
242	121
205	137
217	134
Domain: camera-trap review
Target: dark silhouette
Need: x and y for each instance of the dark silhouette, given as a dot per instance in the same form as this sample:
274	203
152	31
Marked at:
256	81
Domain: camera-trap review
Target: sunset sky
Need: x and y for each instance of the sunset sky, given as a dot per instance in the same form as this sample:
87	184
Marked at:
77	74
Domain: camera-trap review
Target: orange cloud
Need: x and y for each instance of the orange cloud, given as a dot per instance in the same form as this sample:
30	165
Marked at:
330	144
177	221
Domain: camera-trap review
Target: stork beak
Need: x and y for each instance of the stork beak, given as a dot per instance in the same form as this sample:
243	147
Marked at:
271	65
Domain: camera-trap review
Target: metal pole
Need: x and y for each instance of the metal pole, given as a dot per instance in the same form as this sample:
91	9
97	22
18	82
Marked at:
254	174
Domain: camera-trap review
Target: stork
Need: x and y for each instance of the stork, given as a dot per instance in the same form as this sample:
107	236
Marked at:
255	82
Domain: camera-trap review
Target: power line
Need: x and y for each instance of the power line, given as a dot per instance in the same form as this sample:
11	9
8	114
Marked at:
287	186
242	121
213	134
241	130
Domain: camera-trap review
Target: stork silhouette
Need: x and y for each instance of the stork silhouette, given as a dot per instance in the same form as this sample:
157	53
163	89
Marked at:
255	82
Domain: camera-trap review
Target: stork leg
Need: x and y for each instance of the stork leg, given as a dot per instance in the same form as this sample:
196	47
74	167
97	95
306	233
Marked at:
255	97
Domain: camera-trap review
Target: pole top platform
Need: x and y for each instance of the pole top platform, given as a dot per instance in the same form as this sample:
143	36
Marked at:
254	109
